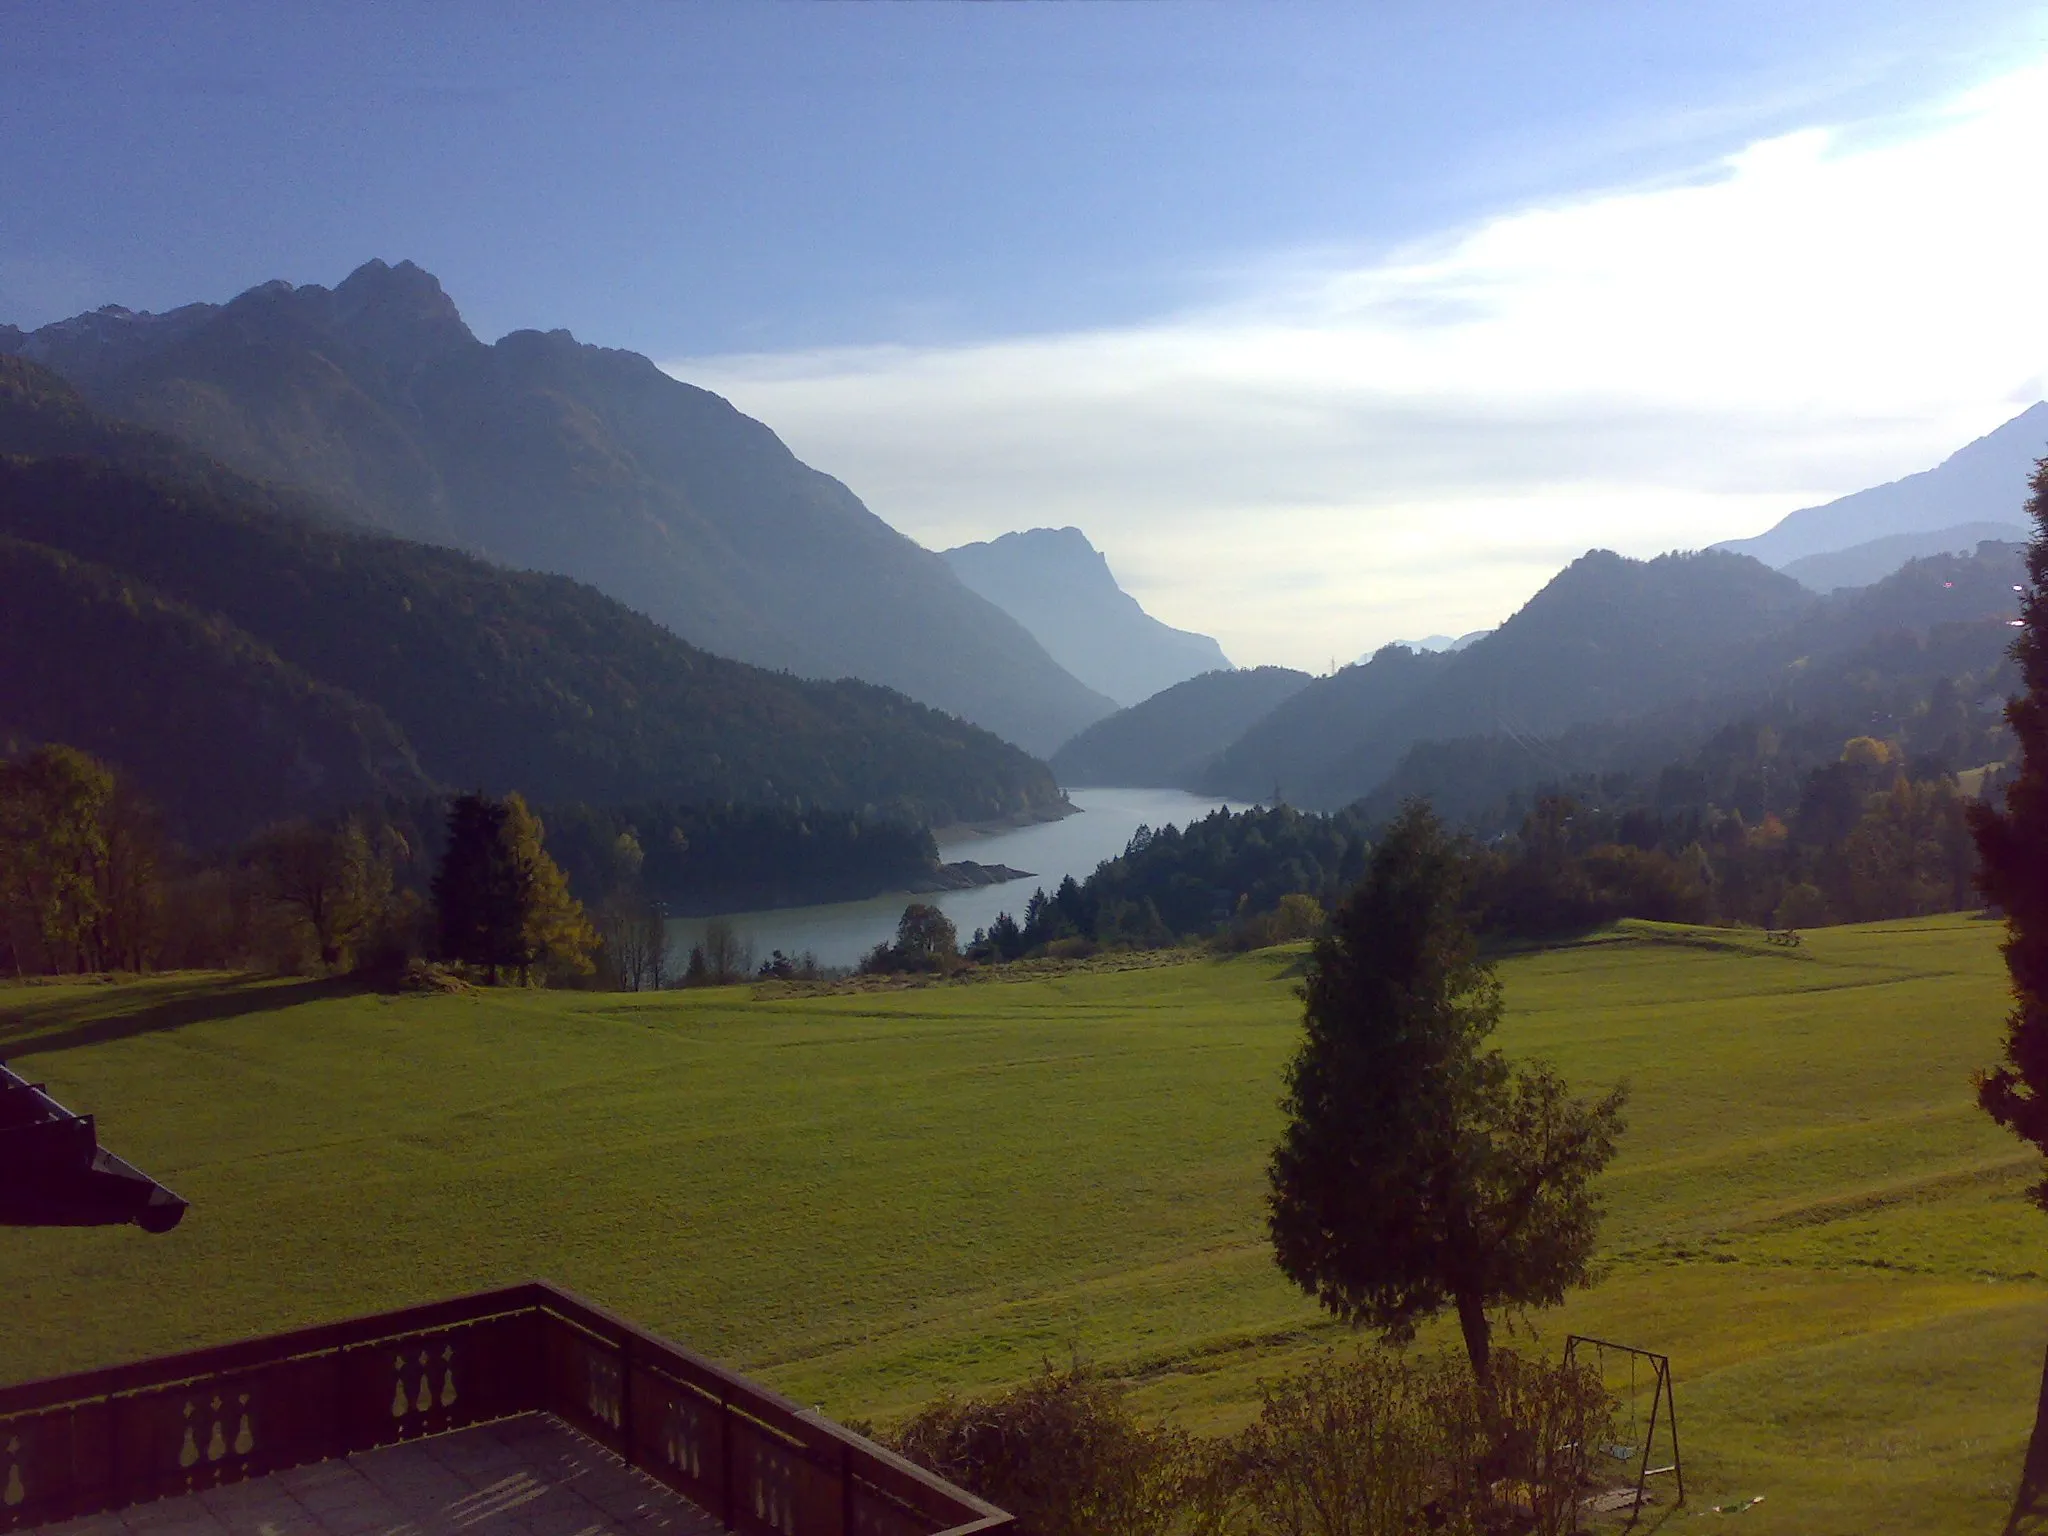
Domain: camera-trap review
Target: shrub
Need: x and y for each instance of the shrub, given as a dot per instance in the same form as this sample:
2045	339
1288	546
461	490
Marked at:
1382	1445
1556	1416
1802	906
1299	916
1341	1449
1379	1444
1062	1453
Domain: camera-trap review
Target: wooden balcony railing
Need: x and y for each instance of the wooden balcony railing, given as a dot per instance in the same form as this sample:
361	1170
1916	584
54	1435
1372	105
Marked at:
101	1440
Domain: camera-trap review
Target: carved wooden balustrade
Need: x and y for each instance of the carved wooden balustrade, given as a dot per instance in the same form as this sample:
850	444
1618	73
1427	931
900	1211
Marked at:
101	1440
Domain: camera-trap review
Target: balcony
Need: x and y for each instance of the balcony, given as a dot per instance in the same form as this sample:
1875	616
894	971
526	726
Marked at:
526	1409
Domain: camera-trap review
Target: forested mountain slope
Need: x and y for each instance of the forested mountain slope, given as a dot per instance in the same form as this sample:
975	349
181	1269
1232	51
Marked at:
1282	756
1170	739
1607	639
210	722
480	677
1861	564
543	453
1919	659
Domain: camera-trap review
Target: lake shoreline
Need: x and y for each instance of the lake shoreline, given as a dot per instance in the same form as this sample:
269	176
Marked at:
1036	816
1097	825
965	875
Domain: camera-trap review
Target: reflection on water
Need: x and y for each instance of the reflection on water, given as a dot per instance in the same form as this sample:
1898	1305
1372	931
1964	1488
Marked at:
840	932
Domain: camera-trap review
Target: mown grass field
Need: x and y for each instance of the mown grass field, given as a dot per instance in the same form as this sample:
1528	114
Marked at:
865	1199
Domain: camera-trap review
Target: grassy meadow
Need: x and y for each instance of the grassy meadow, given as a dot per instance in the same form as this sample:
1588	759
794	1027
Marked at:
865	1198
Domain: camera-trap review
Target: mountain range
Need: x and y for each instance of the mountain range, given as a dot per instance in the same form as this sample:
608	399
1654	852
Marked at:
1058	585
1975	494
243	659
539	452
1919	660
333	536
1633	656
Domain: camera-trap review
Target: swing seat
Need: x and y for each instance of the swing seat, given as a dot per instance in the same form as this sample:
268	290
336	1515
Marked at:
1620	1452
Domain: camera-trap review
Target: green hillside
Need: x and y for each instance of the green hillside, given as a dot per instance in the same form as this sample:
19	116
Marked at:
1170	738
864	1198
492	678
214	722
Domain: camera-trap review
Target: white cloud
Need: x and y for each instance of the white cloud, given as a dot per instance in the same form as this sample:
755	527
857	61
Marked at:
1416	444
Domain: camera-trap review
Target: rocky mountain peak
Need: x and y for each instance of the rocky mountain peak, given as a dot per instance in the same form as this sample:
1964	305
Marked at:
400	313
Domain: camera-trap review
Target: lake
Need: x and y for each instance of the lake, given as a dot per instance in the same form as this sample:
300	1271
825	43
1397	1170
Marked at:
840	932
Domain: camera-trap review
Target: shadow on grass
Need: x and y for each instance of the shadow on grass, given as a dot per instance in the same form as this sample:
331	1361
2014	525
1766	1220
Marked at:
2029	1516
1653	1518
96	1016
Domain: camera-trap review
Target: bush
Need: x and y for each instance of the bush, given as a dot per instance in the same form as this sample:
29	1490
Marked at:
1382	1444
1299	916
1556	1417
1375	1445
802	966
1353	1448
1802	906
1062	1453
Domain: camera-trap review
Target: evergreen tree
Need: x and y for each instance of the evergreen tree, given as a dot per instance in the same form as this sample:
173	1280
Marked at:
477	890
1418	1169
1005	938
2012	846
2012	849
502	902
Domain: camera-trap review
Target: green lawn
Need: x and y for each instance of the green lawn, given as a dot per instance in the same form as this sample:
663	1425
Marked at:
863	1199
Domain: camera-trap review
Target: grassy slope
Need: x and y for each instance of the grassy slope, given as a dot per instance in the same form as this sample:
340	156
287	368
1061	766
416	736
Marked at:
862	1199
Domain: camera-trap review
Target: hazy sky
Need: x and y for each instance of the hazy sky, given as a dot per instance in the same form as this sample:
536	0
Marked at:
1329	323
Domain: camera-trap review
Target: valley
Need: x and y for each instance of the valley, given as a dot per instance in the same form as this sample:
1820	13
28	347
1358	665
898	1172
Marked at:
1023	770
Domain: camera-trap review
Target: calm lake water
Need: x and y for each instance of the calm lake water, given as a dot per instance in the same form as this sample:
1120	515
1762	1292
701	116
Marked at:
840	932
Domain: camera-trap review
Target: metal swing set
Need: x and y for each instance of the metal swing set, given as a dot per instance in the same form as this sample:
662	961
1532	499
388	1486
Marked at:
1642	1437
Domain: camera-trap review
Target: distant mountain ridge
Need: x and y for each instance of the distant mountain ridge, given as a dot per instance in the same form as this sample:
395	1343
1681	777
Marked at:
1172	738
1610	641
1874	660
1440	642
1060	587
1606	638
1860	565
543	453
245	662
1614	658
1982	482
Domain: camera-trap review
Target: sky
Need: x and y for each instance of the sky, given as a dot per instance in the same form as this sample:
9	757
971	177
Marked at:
1330	324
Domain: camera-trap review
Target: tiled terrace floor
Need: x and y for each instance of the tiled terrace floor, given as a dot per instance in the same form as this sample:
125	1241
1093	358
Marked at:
529	1476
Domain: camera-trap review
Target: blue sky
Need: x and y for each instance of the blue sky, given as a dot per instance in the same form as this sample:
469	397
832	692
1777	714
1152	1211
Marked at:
1206	279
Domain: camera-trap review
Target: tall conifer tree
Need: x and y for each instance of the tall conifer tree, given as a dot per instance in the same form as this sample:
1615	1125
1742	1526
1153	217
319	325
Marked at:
1420	1169
477	896
2012	848
2012	845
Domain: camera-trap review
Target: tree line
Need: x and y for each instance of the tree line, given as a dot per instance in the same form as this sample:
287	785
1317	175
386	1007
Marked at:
1865	833
89	882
